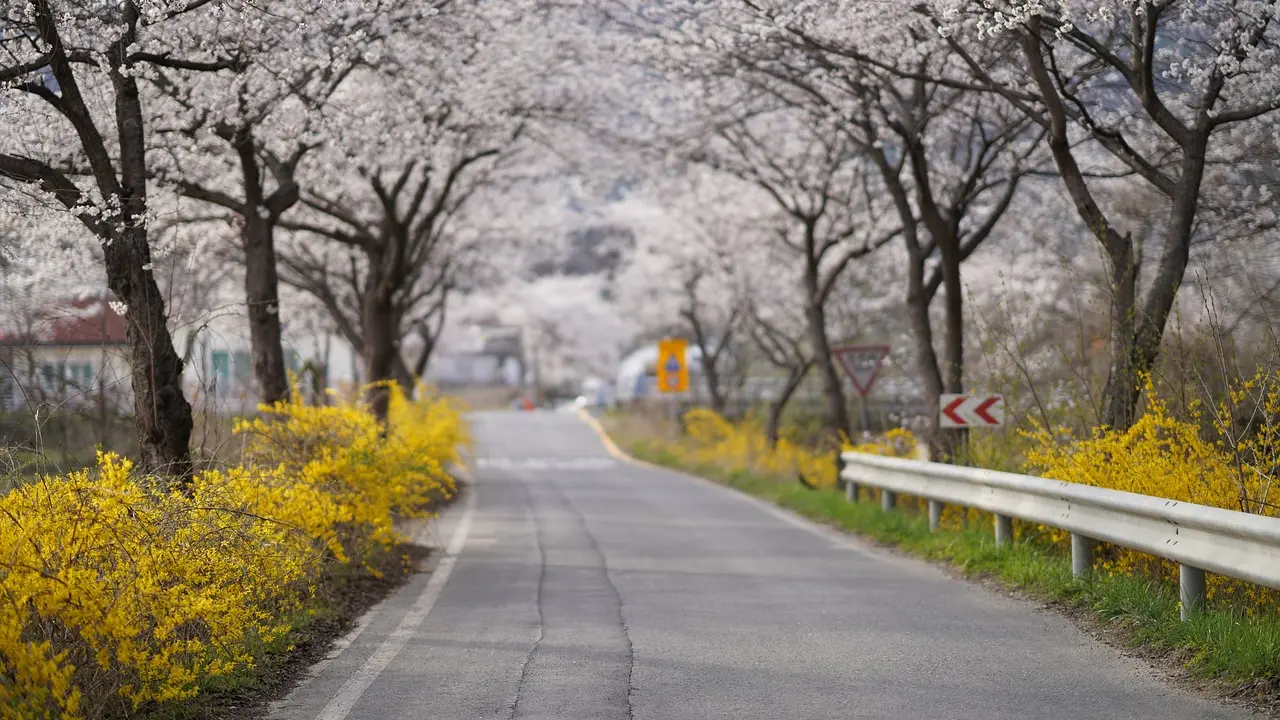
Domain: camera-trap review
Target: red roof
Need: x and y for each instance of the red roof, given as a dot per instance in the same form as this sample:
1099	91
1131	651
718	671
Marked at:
90	321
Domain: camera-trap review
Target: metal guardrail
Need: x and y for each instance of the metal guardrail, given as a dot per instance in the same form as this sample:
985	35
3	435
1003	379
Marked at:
1198	537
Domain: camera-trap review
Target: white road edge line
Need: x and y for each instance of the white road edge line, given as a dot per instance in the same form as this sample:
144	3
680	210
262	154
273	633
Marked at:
340	646
339	707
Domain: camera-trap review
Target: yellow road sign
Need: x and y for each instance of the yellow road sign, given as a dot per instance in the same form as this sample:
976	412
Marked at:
673	371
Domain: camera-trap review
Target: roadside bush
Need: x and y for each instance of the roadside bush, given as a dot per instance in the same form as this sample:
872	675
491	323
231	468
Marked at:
1204	459
116	590
743	446
368	473
898	442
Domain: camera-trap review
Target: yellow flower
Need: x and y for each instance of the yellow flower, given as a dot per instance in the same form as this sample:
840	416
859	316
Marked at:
1199	459
111	585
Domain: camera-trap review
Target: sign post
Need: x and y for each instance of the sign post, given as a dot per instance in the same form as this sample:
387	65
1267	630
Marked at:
673	374
862	364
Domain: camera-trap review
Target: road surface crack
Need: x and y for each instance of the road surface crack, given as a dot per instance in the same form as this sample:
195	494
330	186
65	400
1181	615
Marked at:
608	577
542	576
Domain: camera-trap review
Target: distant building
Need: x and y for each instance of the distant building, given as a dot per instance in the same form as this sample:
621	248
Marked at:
219	376
74	353
490	356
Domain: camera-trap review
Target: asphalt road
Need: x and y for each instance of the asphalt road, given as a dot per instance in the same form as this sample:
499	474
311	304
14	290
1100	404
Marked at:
577	587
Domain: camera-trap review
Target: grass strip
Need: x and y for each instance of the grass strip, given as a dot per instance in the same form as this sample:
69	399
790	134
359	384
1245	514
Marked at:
1223	643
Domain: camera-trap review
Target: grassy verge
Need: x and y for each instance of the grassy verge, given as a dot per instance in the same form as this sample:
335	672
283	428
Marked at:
1223	644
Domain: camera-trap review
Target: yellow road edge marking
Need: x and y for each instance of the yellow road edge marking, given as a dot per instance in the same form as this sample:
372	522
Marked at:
610	445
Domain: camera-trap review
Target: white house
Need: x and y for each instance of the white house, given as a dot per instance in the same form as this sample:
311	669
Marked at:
483	356
76	354
219	364
72	354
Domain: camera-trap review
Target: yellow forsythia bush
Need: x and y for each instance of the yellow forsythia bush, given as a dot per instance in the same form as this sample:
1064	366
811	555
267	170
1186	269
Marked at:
1202	460
366	474
898	442
901	443
116	590
743	446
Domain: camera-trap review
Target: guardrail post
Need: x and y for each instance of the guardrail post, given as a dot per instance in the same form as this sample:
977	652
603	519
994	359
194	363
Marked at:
935	515
888	499
1081	555
1004	530
1190	590
850	491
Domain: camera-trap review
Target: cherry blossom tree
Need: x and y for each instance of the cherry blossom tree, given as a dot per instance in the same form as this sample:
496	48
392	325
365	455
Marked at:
235	139
826	210
77	113
437	123
388	268
694	229
1181	95
836	214
951	160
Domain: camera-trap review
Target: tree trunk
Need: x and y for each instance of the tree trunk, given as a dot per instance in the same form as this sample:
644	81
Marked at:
837	410
953	337
952	441
261	278
773	426
711	374
946	237
1121	391
262	296
1136	337
919	300
162	414
381	352
321	376
919	296
710	356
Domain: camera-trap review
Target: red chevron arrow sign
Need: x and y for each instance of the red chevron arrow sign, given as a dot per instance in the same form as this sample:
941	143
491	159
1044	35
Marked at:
966	411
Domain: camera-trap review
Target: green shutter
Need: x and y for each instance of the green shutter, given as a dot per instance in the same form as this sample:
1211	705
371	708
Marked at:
242	367
221	367
82	376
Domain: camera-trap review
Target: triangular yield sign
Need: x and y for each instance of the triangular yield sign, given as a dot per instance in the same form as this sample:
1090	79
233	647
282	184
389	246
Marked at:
862	363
